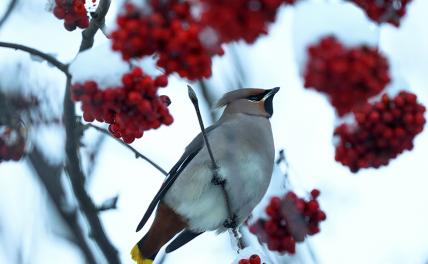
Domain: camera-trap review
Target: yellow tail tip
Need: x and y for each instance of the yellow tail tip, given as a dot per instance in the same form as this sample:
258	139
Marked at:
135	254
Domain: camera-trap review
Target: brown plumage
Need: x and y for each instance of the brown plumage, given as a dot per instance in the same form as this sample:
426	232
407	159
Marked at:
165	226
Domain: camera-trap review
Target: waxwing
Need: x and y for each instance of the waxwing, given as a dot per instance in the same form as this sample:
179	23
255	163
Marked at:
188	202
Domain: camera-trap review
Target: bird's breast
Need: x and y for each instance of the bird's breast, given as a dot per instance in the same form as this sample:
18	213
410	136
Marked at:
244	153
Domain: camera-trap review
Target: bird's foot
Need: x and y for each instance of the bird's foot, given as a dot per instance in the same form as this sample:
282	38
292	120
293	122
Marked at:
217	179
231	222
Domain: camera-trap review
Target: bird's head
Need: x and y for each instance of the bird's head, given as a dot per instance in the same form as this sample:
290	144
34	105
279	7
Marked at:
251	101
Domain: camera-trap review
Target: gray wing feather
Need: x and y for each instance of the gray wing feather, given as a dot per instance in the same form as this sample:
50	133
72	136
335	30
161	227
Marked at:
191	151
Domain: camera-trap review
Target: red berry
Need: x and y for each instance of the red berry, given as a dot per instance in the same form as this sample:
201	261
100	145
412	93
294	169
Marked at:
255	259
290	219
129	109
349	76
172	33
73	13
315	193
385	11
383	130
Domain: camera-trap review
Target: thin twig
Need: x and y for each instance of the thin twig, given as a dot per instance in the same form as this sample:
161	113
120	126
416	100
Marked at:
61	66
77	179
49	175
97	22
231	221
195	102
137	154
9	10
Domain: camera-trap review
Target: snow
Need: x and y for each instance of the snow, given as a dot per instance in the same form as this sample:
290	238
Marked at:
376	216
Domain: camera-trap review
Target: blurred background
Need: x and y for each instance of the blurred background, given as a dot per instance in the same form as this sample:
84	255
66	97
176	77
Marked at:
373	216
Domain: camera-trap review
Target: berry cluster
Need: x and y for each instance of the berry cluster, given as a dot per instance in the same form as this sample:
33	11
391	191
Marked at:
349	76
389	11
254	259
291	220
73	12
240	19
130	109
12	143
382	131
171	32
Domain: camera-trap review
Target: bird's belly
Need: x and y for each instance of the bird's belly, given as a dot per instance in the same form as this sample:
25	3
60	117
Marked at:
202	203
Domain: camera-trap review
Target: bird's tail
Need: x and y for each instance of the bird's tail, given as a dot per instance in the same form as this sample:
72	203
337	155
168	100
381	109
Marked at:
165	226
138	257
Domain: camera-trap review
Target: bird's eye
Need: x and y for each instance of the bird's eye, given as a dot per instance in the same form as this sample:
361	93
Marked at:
257	97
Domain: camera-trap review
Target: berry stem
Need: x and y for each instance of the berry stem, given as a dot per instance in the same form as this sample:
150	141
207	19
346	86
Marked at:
137	154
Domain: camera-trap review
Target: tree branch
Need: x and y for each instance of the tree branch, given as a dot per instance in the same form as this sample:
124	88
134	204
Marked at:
97	22
61	66
49	176
77	178
137	154
9	10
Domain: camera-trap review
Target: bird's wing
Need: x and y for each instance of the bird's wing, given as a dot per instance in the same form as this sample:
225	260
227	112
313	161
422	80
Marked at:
191	151
182	239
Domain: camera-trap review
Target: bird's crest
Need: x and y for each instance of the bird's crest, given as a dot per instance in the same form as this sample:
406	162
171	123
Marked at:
238	94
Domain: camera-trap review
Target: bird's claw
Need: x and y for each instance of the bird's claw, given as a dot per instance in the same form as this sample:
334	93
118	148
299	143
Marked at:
217	180
231	222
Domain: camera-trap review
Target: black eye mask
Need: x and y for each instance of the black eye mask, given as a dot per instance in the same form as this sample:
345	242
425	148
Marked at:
257	97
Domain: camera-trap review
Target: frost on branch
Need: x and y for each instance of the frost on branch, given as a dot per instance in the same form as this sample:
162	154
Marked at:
384	11
349	76
382	131
290	220
130	109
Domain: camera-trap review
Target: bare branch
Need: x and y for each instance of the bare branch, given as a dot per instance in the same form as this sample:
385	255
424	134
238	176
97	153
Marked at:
195	102
61	66
49	176
137	154
9	10
97	22
77	178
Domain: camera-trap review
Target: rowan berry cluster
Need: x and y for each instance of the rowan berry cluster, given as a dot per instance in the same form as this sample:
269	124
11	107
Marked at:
240	19
169	31
130	109
291	219
389	11
12	143
254	259
349	76
383	130
73	12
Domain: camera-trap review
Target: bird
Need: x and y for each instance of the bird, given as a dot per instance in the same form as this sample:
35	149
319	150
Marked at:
188	202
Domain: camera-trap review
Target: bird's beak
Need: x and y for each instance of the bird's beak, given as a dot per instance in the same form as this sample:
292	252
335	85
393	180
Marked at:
271	92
